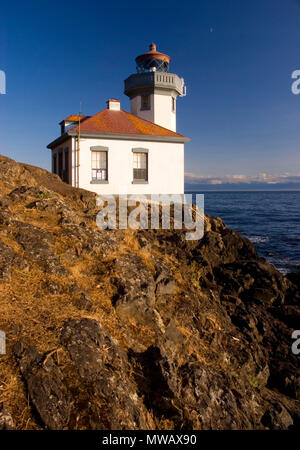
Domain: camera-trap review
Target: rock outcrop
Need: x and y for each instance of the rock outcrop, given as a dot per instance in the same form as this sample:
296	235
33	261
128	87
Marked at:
137	329
6	421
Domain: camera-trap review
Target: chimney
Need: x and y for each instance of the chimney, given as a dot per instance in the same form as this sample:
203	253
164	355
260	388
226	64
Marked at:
113	104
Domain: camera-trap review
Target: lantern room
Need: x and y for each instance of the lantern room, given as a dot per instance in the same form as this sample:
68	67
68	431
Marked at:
152	61
153	90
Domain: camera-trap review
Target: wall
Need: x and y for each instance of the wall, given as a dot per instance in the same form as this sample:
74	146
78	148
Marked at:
161	110
67	145
165	167
163	114
135	108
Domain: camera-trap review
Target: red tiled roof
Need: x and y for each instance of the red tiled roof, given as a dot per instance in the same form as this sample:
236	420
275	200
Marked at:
74	118
121	122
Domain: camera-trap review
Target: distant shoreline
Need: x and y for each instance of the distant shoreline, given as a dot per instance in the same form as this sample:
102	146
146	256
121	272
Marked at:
186	191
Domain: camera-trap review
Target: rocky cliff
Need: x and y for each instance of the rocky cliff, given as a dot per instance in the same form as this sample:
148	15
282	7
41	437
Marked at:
136	329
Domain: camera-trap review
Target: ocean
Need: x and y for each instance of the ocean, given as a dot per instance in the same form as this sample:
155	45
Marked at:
270	219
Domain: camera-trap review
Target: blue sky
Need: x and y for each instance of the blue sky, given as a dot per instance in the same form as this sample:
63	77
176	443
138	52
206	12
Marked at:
236	56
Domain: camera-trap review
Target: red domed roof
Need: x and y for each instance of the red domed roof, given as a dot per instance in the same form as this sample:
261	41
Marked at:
153	54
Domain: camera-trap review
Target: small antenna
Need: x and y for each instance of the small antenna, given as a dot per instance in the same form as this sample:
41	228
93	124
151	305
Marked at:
78	145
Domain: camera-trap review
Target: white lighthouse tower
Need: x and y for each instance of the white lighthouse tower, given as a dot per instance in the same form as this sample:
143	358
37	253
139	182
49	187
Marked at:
153	90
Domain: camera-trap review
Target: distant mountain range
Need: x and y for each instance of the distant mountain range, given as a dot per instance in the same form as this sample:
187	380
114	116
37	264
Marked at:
241	182
254	186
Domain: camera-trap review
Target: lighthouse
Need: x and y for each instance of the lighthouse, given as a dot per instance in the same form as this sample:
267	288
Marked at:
153	90
118	152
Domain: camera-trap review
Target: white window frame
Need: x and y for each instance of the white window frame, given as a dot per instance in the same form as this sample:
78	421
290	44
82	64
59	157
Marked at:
99	164
140	165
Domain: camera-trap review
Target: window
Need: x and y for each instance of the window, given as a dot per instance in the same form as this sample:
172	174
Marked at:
140	166
66	170
60	164
54	170
99	166
173	104
145	102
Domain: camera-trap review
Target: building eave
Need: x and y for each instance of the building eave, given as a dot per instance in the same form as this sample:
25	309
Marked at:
64	137
131	137
126	137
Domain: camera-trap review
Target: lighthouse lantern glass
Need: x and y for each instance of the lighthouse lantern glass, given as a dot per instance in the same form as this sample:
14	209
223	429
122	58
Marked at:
152	65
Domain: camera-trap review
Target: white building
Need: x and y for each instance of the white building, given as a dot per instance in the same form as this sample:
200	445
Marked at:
117	152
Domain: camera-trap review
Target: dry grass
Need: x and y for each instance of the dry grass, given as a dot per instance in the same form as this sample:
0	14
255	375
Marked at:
13	393
27	311
44	219
8	240
130	241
